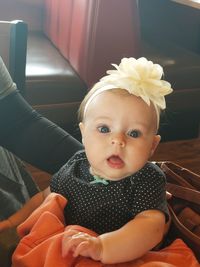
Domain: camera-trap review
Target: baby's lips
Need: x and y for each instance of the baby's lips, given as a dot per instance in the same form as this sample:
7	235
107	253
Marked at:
115	161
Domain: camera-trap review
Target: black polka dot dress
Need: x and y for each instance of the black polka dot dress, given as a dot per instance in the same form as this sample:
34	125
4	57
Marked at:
104	208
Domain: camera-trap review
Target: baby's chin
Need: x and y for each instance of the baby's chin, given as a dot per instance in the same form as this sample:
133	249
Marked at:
111	177
117	175
113	174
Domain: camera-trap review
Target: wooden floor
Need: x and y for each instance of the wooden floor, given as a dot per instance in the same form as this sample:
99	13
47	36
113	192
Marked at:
185	153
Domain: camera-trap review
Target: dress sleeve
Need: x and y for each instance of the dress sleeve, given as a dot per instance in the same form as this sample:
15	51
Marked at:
150	191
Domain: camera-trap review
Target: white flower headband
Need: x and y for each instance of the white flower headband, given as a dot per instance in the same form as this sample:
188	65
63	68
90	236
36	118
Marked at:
139	77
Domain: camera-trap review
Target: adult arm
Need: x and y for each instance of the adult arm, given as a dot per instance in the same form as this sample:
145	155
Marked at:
29	135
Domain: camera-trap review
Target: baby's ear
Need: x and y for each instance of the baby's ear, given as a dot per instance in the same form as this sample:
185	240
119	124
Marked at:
81	127
155	143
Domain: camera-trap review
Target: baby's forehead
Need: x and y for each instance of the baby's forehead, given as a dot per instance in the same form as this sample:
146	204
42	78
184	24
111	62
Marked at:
115	93
122	96
115	99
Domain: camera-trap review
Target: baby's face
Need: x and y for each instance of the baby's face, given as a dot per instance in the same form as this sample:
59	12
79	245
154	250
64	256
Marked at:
118	134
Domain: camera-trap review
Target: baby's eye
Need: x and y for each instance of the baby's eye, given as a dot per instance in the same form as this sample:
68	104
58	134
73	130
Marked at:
103	129
134	133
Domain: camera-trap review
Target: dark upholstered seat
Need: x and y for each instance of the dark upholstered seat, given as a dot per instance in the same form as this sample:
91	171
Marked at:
181	66
50	77
170	37
53	87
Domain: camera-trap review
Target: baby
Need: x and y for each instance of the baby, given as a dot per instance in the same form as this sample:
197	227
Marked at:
111	186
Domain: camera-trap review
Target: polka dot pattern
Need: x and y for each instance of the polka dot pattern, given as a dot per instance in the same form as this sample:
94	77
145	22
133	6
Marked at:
104	208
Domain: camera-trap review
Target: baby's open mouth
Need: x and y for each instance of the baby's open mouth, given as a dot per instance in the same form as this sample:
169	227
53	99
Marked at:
115	162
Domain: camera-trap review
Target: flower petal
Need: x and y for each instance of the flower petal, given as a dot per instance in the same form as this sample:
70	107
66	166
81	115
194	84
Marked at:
139	77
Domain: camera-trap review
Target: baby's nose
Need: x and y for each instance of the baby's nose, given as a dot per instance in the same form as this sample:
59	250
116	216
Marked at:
118	140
